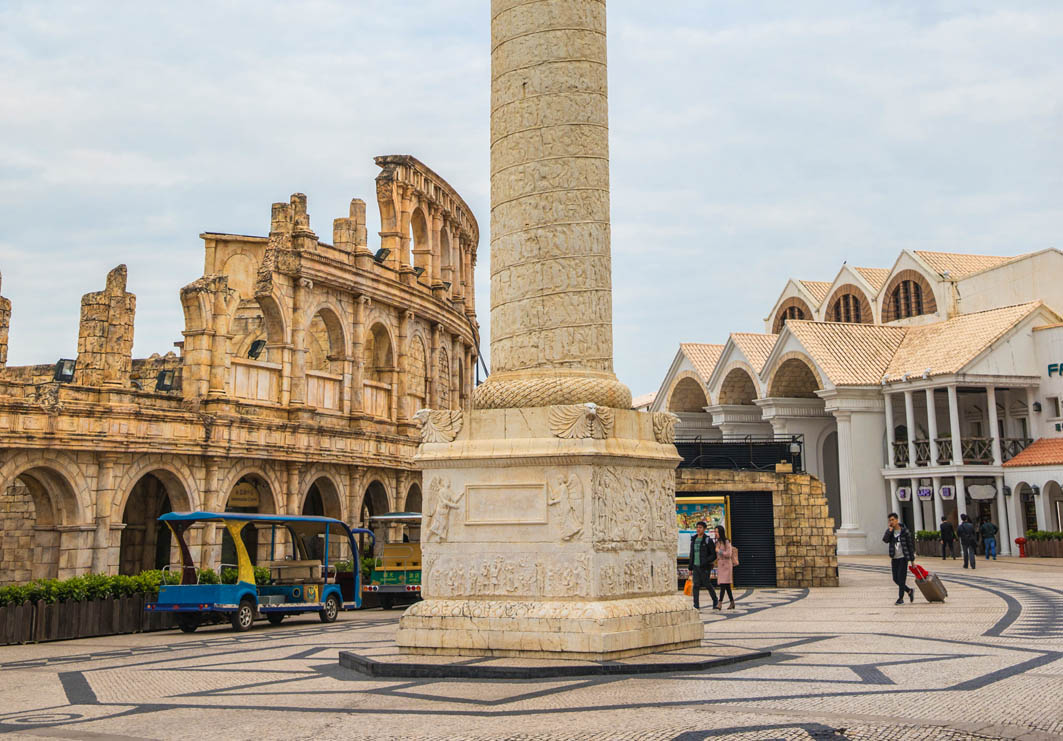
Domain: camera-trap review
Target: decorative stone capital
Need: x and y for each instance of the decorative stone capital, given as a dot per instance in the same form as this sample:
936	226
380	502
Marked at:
439	426
664	427
576	421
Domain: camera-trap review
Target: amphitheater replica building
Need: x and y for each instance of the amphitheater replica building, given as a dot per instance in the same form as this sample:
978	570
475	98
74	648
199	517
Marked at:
931	388
294	388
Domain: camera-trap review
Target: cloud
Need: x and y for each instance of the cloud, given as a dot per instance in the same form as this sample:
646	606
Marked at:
750	141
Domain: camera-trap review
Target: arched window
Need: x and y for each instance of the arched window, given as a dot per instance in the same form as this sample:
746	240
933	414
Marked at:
792	308
908	295
846	309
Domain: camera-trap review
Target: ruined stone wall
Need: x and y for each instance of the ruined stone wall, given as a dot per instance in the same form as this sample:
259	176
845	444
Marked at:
806	549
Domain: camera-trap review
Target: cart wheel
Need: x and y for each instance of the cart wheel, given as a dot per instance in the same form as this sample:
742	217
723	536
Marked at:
188	624
387	601
244	617
275	618
331	610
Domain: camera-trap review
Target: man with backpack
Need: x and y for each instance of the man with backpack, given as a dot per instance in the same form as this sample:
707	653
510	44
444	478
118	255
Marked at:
968	539
948	538
988	531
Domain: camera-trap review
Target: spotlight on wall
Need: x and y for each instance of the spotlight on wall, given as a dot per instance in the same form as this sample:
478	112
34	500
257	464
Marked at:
1035	489
256	349
418	271
64	370
164	381
446	285
795	448
1037	406
926	373
1007	491
382	254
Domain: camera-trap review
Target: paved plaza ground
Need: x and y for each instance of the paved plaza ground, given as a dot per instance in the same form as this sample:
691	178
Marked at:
846	663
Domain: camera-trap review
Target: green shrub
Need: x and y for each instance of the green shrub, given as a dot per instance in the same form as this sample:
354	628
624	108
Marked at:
1044	535
368	562
209	576
927	535
122	586
13	595
261	575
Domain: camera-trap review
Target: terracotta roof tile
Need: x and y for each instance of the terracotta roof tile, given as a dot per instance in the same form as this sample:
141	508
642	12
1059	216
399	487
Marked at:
1046	451
817	289
643	400
946	347
875	277
959	265
703	357
756	347
849	354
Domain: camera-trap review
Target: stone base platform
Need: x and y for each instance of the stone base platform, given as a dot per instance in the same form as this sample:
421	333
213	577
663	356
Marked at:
598	630
388	661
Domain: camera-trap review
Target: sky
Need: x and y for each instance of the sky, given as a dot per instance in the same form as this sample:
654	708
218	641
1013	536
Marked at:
751	141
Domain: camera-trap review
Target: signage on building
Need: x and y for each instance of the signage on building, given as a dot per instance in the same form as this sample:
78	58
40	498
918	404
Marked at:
690	511
948	492
982	491
926	493
904	494
1054	370
244	495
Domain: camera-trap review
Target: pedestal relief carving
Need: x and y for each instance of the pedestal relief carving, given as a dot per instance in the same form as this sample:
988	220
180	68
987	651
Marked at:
581	421
443	501
566	492
439	426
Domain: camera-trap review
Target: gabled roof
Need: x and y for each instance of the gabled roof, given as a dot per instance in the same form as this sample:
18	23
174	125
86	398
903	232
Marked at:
703	357
946	347
643	400
849	354
960	265
756	347
1045	451
817	289
875	277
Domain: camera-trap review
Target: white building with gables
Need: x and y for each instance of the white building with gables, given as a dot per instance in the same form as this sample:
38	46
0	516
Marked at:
933	387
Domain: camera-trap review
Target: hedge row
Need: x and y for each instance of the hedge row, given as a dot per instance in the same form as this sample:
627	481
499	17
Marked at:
1030	535
102	586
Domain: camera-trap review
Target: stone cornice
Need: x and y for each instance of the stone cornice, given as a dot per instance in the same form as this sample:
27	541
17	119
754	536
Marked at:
787	407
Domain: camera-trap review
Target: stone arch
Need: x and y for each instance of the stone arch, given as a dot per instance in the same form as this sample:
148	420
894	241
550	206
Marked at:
446	256
1053	494
739	386
329	493
849	304
275	319
417	374
269	502
60	477
421	239
899	298
794	377
145	543
444	380
687	394
180	483
379	371
413	501
1027	513
791	308
326	340
267	482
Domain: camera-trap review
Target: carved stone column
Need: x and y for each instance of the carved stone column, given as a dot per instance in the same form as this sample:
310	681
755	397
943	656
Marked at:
101	542
550	525
551	296
300	321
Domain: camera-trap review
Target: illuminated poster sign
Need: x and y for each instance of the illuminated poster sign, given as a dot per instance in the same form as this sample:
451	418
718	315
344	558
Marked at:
904	494
689	511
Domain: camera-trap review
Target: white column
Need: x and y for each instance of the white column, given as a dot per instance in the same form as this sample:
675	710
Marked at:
895	503
961	499
917	505
939	505
994	432
1044	520
1009	428
845	470
1032	430
932	427
954	427
1003	537
909	416
891	437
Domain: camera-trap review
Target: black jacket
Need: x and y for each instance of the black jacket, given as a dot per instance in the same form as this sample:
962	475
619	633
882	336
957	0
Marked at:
708	551
907	542
948	532
967	534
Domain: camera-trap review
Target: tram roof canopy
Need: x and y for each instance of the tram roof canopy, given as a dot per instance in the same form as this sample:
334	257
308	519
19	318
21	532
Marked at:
397	516
248	517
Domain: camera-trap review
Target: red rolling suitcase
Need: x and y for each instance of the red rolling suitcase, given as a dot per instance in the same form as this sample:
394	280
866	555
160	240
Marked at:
929	584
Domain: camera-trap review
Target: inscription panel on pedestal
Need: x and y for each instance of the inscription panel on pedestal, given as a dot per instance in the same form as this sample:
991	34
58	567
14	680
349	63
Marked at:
505	504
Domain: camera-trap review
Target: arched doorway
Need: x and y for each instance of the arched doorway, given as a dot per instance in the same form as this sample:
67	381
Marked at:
375	502
29	542
322	500
831	477
250	494
379	373
145	543
1053	494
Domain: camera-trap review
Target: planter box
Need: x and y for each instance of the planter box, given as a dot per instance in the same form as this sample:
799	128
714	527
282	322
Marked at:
928	548
59	621
1044	548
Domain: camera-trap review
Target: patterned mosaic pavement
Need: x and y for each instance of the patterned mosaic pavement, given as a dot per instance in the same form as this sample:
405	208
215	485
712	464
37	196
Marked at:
846	663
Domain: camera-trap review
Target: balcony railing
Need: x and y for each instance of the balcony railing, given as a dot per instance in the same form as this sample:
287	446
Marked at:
759	453
975	450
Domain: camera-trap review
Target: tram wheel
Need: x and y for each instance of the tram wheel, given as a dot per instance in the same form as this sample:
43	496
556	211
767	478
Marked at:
275	618
244	617
331	610
188	624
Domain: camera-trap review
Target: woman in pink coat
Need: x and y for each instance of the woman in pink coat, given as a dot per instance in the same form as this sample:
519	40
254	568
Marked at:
724	566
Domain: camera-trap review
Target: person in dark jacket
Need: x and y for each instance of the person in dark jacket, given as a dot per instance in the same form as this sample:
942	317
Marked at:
902	553
968	540
948	538
702	557
988	531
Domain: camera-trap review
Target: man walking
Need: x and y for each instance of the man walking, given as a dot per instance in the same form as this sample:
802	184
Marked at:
902	552
968	538
948	537
702	557
988	531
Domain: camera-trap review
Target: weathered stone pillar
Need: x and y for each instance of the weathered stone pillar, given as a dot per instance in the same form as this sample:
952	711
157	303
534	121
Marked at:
101	542
300	321
105	334
550	524
551	291
5	326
